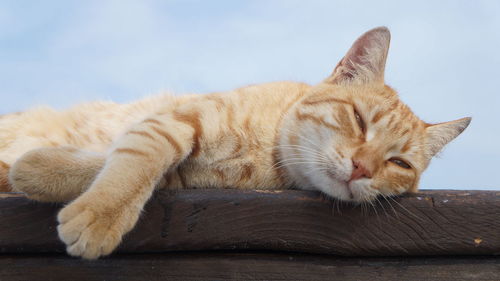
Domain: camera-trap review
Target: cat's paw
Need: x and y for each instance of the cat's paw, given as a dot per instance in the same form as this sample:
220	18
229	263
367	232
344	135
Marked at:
89	230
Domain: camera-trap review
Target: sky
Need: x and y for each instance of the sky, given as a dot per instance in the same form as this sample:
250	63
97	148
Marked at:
444	59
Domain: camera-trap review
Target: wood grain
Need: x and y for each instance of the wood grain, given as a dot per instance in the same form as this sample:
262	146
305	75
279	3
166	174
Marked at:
429	223
247	266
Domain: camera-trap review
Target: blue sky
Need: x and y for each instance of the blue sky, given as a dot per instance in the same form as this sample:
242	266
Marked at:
444	58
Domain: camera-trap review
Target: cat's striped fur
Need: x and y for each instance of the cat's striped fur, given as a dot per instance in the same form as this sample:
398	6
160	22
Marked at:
349	136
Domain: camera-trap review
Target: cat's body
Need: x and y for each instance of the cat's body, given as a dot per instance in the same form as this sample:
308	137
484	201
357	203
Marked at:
236	148
349	137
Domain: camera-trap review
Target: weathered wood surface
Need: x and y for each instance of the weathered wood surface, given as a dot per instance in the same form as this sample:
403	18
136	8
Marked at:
430	223
247	266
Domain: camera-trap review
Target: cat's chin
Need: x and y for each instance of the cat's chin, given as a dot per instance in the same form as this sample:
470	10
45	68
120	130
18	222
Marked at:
330	185
350	191
361	190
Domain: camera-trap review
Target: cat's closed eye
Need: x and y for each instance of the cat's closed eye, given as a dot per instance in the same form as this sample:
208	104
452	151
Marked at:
360	121
401	163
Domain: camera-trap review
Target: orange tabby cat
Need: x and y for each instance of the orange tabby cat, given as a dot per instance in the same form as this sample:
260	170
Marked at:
349	137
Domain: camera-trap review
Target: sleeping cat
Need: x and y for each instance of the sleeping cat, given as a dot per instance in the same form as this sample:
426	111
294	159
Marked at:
349	137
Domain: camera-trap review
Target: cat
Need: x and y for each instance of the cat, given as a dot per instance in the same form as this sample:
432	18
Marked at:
349	137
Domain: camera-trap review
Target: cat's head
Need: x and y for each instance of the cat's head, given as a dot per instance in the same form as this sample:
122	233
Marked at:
352	138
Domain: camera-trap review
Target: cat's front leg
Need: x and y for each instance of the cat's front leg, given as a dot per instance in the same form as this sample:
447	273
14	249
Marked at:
55	174
93	224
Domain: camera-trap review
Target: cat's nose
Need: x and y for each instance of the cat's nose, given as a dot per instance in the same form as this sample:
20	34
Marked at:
359	171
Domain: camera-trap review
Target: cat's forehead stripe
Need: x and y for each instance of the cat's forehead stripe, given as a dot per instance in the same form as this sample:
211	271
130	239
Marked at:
377	116
313	101
406	147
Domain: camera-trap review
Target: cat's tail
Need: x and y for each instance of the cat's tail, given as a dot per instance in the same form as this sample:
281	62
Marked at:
55	174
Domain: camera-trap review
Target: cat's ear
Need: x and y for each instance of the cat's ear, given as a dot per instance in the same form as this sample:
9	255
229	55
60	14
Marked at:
438	135
365	61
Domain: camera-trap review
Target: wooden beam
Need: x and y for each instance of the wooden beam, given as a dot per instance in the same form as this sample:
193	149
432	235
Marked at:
437	222
247	266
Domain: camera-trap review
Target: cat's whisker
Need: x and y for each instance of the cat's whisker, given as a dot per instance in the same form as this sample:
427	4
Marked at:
361	207
303	149
302	159
313	171
335	205
295	162
404	208
338	206
367	204
288	164
376	213
316	169
297	145
302	137
284	161
287	161
314	145
316	155
390	205
293	147
382	206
